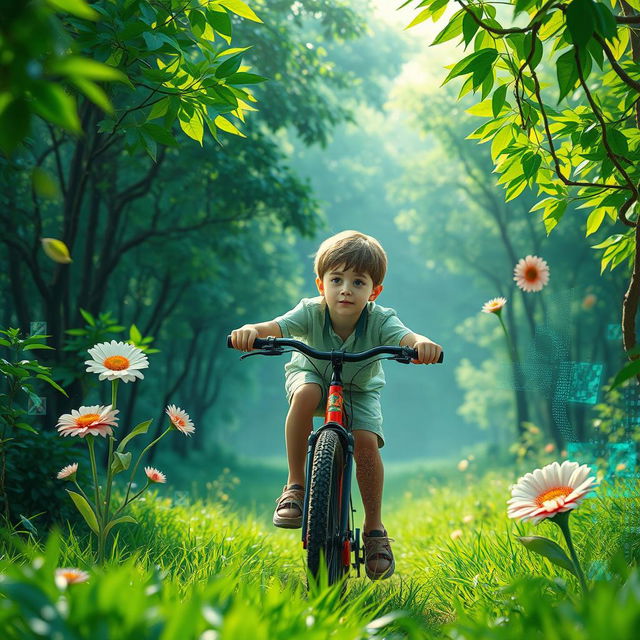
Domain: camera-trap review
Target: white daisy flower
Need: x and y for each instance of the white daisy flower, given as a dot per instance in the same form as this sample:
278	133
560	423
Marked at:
551	490
117	361
88	421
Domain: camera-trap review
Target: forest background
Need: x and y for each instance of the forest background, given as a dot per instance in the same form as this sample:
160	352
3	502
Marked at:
177	237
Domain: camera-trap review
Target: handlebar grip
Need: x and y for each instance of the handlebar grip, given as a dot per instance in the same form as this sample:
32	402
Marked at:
258	343
441	358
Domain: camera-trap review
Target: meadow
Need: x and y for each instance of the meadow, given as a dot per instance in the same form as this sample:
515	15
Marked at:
216	568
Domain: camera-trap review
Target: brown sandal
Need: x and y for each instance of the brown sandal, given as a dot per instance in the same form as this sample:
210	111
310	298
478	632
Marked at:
377	551
288	513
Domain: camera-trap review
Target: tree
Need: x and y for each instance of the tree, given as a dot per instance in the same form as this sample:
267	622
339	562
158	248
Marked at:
584	153
437	213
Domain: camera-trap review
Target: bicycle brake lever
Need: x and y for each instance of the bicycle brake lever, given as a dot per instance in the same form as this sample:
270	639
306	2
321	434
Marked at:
269	352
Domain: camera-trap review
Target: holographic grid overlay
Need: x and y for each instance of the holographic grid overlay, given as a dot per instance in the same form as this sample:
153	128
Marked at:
38	328
547	369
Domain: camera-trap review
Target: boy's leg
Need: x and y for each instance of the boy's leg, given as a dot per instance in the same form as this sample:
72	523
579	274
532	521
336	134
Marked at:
370	476
298	425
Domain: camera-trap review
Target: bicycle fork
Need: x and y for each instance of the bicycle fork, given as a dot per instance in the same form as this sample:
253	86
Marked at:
349	537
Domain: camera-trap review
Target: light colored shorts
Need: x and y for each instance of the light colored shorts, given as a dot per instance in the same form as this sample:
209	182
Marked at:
362	407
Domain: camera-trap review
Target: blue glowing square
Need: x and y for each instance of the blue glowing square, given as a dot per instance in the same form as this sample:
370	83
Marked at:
585	381
614	331
618	460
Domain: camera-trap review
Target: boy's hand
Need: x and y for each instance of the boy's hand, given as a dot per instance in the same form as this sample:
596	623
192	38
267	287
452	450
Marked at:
244	337
428	352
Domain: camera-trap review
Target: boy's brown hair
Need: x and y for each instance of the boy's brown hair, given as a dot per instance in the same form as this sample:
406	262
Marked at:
356	251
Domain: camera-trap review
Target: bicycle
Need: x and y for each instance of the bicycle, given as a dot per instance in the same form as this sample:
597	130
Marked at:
328	533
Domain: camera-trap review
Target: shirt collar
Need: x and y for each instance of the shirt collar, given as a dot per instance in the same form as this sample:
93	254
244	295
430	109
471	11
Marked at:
361	325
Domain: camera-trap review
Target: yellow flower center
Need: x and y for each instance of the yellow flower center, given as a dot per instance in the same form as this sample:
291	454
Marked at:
87	419
70	576
116	363
531	274
552	494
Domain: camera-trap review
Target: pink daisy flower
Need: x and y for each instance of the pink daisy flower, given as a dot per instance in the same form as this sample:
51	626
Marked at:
154	475
94	421
551	490
494	305
531	273
68	472
180	419
69	576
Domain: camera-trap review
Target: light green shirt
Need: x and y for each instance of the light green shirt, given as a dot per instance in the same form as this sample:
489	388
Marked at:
309	322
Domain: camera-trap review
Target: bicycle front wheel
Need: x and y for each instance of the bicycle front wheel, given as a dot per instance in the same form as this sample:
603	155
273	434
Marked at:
323	525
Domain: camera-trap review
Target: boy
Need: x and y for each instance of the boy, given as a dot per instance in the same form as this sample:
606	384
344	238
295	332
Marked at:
350	268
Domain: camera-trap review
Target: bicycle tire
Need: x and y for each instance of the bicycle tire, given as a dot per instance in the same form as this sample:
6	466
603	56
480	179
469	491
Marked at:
323	524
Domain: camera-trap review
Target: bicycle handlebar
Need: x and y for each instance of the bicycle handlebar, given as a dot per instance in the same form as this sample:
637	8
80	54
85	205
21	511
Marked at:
273	346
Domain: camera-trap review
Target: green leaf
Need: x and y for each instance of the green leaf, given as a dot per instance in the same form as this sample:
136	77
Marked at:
94	92
120	462
245	78
88	317
550	550
498	100
452	30
567	73
53	104
139	429
192	125
134	334
54	384
77	332
159	134
241	9
31	347
421	17
537	51
25	427
531	164
470	25
221	22
89	69
229	67
117	521
629	370
553	215
158	109
76	7
222	123
595	220
580	21
478	63
617	141
85	510
605	21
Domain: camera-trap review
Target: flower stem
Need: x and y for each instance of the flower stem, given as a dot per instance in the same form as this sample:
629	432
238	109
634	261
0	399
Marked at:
107	499
135	468
94	473
130	500
562	520
510	345
114	392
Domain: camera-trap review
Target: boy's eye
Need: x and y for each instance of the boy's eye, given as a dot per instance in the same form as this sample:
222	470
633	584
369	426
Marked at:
335	279
358	282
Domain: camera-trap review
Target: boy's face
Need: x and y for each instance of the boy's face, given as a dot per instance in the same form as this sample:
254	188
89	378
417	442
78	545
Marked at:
347	292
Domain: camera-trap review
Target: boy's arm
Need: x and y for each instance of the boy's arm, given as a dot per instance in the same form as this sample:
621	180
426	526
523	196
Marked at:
428	351
244	337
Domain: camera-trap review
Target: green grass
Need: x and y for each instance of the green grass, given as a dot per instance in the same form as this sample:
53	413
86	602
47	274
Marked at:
221	566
